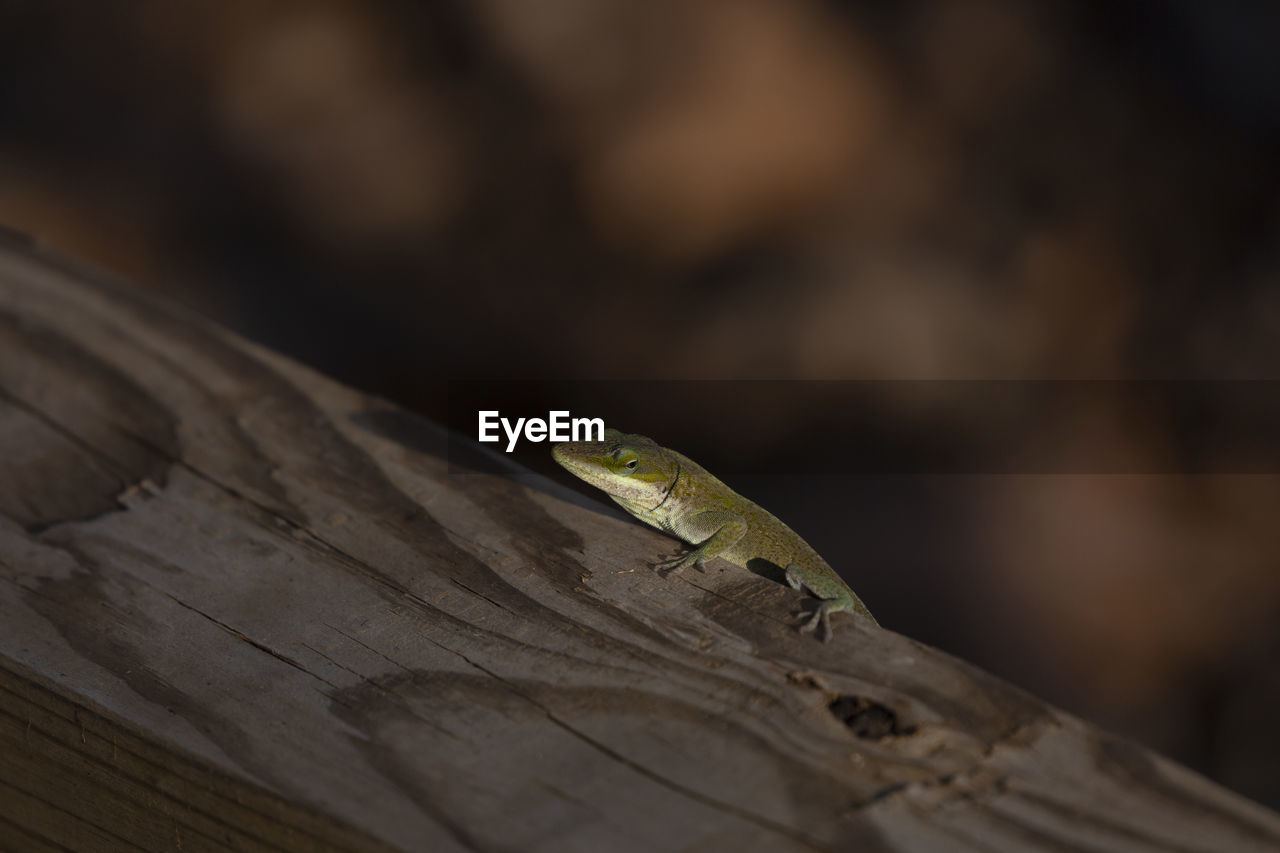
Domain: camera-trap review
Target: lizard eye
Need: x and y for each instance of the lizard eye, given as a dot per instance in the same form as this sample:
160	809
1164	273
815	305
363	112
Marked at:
627	463
631	465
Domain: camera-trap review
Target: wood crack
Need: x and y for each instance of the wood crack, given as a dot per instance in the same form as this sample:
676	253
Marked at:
260	646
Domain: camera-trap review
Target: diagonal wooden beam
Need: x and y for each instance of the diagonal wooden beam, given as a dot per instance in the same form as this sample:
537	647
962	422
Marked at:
244	607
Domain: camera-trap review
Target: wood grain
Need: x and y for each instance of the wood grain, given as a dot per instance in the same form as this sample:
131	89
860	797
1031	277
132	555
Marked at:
243	607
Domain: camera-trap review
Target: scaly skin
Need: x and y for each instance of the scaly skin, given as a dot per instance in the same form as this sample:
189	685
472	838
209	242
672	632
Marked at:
676	495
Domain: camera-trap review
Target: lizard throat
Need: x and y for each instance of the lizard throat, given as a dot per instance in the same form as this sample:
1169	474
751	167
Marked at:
670	489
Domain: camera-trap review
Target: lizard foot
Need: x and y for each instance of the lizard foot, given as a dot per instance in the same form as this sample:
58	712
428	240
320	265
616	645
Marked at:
822	616
678	562
826	606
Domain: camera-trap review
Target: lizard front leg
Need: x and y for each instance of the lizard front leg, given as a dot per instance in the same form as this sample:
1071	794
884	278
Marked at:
713	531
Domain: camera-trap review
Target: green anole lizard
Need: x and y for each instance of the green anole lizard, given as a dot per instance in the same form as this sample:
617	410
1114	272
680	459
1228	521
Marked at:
676	495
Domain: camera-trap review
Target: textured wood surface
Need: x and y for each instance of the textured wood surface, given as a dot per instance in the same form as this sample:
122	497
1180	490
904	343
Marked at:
244	607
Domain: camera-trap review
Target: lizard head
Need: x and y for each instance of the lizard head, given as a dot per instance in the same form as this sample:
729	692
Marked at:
634	470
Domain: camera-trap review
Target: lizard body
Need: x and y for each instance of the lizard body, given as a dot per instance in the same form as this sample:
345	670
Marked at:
673	493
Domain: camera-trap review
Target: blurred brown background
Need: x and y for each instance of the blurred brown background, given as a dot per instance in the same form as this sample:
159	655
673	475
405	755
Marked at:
406	193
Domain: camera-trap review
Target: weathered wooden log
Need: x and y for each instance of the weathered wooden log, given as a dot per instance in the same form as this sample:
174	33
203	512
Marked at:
243	607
